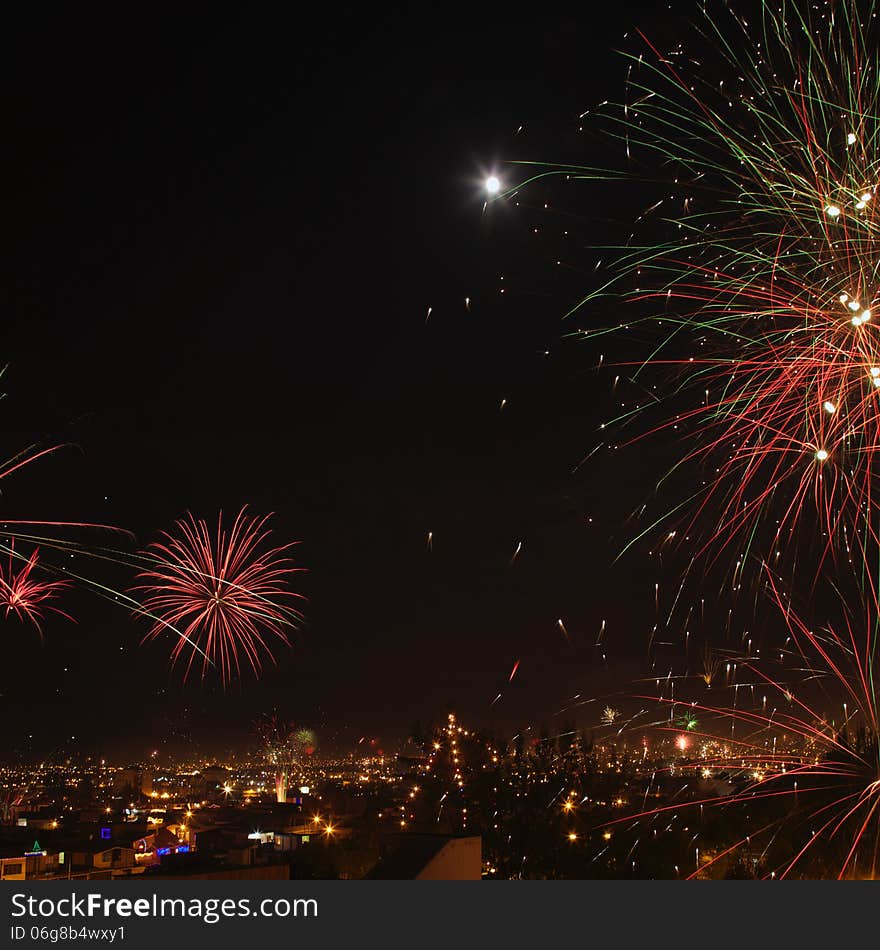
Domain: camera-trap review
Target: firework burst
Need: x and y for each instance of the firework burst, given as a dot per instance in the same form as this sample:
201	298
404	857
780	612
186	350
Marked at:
712	664
283	746
752	284
23	591
223	595
810	782
752	277
24	595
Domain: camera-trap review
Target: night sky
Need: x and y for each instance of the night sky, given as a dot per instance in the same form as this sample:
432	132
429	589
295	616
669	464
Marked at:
225	236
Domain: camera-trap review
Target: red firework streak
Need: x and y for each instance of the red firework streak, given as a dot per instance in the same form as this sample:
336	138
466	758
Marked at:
223	595
828	774
24	595
763	279
796	421
760	271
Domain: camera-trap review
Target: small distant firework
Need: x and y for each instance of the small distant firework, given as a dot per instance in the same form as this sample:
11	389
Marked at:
22	594
561	626
689	722
223	595
284	745
307	740
609	716
712	663
282	748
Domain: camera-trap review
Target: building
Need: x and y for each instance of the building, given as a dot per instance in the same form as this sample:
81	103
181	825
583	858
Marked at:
133	782
152	847
429	857
98	857
23	863
214	779
13	869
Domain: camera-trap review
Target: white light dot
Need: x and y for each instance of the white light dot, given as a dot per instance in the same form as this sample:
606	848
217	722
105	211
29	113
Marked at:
832	211
493	185
829	406
821	455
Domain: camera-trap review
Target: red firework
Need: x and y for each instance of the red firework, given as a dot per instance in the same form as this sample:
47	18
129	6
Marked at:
24	595
753	277
223	595
823	772
765	451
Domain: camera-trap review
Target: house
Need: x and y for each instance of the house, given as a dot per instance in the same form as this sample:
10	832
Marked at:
429	857
13	869
150	848
23	862
98	857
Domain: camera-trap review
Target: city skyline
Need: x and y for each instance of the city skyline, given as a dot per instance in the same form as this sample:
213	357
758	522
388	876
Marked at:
348	402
